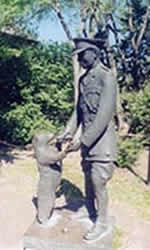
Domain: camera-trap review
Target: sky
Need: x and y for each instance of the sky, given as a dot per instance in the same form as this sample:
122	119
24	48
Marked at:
51	30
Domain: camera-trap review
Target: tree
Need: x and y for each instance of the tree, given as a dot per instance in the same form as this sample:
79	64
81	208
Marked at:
126	42
12	11
36	90
135	45
95	17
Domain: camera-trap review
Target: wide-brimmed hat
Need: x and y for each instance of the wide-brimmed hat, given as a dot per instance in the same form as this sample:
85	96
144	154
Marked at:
82	44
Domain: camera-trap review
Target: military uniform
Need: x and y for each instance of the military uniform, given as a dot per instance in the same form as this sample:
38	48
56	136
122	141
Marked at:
95	113
96	108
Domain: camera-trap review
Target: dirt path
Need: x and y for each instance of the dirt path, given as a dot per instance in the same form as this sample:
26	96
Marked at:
20	175
136	231
133	219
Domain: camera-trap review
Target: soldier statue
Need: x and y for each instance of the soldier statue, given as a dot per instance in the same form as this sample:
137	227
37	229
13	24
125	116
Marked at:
94	112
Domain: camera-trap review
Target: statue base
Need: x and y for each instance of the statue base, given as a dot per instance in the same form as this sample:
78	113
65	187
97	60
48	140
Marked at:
38	242
31	243
67	233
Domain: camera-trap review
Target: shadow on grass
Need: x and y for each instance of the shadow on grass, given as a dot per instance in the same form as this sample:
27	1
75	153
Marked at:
6	155
73	195
145	181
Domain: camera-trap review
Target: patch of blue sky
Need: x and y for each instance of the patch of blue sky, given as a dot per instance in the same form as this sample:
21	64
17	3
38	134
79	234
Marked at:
50	29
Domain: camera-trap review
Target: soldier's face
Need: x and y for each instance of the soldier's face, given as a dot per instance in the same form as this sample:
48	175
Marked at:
87	58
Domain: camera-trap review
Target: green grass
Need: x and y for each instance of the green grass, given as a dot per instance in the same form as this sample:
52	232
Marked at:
129	189
118	238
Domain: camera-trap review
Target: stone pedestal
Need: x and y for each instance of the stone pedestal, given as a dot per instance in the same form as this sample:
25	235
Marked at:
43	239
31	243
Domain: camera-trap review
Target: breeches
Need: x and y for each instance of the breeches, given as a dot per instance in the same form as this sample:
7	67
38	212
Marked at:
100	170
97	174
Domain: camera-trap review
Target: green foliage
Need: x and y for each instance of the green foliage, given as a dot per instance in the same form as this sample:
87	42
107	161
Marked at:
133	65
6	53
128	149
36	90
51	82
11	10
137	106
19	124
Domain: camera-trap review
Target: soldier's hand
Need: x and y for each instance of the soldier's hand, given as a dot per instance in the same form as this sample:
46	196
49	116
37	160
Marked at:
63	137
74	145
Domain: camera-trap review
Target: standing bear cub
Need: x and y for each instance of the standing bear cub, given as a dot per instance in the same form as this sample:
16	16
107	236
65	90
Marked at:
48	155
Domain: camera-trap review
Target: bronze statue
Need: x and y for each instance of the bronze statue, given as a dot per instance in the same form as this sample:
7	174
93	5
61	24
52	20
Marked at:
94	112
48	156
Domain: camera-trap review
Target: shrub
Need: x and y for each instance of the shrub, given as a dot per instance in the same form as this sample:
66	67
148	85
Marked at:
128	149
23	121
36	90
138	110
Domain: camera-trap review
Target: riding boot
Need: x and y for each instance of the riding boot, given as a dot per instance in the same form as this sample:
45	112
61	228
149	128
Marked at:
89	211
89	195
100	227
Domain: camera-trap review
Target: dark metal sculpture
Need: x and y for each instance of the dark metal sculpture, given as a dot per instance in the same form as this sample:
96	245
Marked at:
94	112
48	156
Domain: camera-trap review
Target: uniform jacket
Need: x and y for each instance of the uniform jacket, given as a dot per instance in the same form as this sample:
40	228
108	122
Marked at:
94	111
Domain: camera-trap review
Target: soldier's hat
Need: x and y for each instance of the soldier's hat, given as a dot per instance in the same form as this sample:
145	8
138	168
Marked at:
82	44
